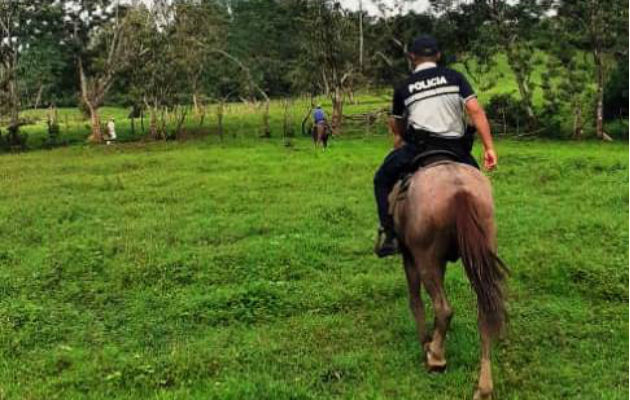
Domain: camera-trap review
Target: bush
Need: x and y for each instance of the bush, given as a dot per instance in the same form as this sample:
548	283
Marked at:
616	92
506	113
13	139
617	129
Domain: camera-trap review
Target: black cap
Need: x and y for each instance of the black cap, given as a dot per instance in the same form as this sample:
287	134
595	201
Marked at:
425	45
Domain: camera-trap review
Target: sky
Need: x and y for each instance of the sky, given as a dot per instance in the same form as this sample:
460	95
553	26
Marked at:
371	8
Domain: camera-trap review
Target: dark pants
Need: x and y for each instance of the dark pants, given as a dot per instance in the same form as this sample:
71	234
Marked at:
395	165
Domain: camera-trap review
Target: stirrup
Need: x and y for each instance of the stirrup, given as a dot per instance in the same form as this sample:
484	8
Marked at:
384	247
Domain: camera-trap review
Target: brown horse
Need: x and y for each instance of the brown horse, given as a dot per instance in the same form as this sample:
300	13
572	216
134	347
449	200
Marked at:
320	133
447	213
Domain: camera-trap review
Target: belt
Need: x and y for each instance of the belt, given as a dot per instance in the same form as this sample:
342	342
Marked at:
422	138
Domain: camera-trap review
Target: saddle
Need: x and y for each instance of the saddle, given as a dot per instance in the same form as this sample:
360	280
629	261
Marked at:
426	159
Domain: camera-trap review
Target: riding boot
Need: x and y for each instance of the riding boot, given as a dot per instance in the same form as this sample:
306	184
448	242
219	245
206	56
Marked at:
386	243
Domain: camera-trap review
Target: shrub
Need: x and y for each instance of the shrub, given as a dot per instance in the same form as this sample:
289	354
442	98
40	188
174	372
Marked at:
506	113
616	92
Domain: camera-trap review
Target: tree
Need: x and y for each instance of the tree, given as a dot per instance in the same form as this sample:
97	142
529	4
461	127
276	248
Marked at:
159	79
331	53
100	31
14	32
601	28
565	89
199	27
39	68
265	36
565	79
22	25
513	27
389	36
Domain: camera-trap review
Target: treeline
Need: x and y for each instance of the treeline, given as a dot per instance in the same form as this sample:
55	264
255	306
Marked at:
180	54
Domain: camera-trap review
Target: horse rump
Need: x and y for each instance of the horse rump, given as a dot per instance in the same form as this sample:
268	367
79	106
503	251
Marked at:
485	270
323	138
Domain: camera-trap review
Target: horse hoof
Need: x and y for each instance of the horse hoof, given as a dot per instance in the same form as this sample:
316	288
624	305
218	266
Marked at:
433	363
436	368
482	395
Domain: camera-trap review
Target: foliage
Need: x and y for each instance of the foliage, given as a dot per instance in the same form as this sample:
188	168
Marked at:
566	92
506	113
601	28
616	91
23	26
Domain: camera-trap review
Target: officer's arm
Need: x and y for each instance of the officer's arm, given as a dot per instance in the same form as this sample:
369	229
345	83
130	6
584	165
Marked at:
397	119
397	127
478	117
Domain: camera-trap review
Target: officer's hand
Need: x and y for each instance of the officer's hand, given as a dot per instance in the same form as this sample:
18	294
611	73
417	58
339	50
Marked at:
489	159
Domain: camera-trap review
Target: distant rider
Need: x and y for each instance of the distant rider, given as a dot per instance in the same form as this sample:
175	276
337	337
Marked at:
428	114
319	118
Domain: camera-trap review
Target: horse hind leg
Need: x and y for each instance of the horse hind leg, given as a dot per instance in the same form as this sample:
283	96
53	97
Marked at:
432	275
484	386
415	298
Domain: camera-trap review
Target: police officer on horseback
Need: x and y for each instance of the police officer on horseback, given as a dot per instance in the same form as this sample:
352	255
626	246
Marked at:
428	114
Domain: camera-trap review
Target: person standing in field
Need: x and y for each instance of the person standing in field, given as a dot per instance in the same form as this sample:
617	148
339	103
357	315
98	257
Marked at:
111	131
428	113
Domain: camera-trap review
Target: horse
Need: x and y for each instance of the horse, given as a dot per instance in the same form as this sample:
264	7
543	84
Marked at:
320	133
445	213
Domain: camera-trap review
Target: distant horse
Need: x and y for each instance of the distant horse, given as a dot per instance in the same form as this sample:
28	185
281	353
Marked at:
321	133
446	212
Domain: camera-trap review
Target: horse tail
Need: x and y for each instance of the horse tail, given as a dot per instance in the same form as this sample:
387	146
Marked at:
486	272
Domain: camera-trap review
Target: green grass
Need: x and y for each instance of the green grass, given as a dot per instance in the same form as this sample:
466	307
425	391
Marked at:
243	270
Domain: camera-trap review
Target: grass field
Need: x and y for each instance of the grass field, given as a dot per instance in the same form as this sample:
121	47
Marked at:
243	270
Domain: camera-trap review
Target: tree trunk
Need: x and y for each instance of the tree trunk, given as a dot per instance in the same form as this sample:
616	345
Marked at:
599	126
337	113
526	95
325	81
202	117
351	97
162	128
361	35
577	122
15	104
515	62
195	103
220	119
153	134
266	129
181	118
97	135
38	98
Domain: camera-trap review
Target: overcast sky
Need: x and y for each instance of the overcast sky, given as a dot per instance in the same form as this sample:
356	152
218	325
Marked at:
370	5
372	9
